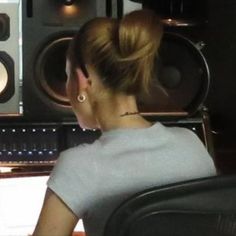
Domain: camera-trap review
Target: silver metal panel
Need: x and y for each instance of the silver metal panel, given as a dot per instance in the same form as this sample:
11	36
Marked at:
11	47
131	6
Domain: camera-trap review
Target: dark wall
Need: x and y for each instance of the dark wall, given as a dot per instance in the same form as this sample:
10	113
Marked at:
221	56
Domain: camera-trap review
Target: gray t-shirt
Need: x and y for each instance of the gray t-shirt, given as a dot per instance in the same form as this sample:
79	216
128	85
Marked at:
93	179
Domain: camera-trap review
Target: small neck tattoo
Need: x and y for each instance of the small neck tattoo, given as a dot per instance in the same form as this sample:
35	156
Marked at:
129	113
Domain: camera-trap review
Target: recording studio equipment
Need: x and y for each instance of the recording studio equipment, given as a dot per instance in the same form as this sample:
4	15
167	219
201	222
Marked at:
182	75
44	52
39	144
177	96
182	79
10	60
48	26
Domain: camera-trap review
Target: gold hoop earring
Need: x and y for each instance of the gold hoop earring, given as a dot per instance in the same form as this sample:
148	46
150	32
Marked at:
81	98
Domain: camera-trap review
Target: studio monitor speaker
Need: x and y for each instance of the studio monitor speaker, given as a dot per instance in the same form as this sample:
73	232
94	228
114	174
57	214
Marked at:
182	76
48	26
10	62
181	80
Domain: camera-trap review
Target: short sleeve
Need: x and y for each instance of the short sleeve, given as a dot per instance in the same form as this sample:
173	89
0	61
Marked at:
70	180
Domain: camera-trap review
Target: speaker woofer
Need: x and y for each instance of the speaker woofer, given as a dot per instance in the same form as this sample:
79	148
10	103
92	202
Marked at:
182	73
3	78
50	70
7	85
181	84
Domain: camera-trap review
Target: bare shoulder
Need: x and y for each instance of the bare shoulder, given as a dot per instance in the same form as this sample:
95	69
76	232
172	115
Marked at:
55	217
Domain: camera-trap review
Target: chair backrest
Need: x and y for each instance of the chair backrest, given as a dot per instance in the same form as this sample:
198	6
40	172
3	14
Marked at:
203	207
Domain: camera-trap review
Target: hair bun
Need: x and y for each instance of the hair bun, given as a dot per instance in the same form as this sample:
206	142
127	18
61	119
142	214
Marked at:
121	52
139	34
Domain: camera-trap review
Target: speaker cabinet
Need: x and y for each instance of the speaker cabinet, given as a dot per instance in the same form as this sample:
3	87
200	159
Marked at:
10	63
48	26
182	76
181	80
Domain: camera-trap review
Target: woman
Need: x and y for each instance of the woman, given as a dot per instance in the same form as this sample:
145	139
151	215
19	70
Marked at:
110	63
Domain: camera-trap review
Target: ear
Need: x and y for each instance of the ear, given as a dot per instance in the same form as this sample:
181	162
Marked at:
83	81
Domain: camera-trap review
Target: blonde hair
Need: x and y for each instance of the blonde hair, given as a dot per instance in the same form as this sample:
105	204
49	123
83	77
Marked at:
121	51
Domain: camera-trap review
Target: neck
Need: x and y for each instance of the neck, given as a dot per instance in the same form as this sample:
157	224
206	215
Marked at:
119	111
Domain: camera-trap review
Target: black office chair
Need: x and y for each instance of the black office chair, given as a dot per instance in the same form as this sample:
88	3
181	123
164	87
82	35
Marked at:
203	207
